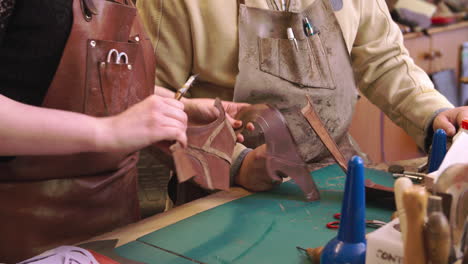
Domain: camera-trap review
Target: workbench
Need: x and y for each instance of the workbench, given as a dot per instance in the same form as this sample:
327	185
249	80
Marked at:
237	226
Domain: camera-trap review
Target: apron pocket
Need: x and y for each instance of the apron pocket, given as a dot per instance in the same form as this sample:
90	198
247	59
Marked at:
114	78
306	66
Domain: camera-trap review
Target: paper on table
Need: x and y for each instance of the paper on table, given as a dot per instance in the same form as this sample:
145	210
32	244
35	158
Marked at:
458	153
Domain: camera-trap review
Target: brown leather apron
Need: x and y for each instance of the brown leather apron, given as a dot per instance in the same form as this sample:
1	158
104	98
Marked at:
45	201
272	70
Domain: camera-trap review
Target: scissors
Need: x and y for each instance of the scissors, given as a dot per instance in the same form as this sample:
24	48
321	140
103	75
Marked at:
369	223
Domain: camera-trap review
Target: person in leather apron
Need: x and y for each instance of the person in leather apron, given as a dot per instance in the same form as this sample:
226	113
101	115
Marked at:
77	79
242	50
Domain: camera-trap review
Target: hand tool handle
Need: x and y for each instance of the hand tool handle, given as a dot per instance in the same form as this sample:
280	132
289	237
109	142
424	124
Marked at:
415	203
437	238
401	184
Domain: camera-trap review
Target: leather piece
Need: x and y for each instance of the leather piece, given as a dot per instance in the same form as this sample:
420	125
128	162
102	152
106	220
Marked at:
47	201
330	82
316	123
207	158
283	158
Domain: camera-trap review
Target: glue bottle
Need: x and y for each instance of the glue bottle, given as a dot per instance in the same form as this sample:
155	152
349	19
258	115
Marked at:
463	129
349	246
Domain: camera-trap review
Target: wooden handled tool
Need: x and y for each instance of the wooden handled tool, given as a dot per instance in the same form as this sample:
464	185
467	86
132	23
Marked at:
437	233
415	203
318	127
181	92
401	184
313	253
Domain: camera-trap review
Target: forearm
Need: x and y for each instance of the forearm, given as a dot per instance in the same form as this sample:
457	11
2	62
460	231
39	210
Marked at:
387	75
30	130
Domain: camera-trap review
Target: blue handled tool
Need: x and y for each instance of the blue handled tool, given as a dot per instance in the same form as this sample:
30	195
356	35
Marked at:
350	244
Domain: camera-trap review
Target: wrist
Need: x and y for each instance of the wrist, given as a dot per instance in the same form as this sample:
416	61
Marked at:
236	171
103	140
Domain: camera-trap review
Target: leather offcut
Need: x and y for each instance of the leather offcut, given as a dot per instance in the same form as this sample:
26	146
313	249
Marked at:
283	158
207	158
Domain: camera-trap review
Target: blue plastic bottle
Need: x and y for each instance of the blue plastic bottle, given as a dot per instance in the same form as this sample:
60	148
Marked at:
438	151
350	245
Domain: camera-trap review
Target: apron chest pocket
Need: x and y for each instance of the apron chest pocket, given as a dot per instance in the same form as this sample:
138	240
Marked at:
307	66
114	78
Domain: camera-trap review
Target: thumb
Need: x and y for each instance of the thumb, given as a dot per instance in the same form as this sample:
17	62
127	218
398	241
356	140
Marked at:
442	122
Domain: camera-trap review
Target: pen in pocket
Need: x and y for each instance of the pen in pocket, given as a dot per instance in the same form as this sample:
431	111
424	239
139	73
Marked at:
309	31
292	38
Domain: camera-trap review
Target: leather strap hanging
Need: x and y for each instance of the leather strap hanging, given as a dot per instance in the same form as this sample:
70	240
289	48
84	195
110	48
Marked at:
318	127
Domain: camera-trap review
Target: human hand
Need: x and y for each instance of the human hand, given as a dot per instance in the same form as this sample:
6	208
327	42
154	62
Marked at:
202	111
253	173
153	120
450	120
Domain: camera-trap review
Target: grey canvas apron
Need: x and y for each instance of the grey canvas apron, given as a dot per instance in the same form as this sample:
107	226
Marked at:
272	70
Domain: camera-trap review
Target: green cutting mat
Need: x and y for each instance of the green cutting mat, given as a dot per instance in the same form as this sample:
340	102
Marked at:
260	228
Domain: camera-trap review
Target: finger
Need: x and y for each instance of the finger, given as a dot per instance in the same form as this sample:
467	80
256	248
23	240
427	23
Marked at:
233	108
234	122
462	115
250	126
442	121
173	133
240	138
174	103
172	123
182	138
176	114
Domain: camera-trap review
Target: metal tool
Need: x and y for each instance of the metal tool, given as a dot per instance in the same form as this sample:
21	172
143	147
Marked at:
313	253
118	57
398	169
181	92
316	123
283	5
369	223
415	179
